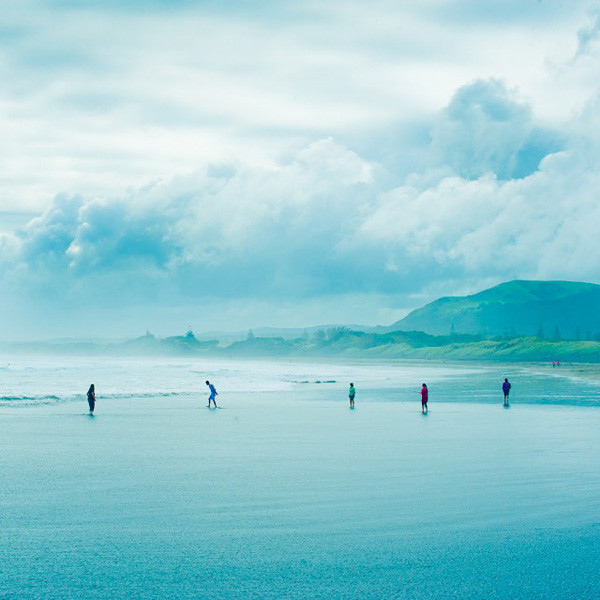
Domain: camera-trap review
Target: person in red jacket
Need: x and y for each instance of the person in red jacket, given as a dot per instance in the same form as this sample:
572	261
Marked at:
424	398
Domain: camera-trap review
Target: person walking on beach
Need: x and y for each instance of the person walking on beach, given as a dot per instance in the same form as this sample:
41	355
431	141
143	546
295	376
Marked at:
91	396
213	394
424	398
506	389
351	394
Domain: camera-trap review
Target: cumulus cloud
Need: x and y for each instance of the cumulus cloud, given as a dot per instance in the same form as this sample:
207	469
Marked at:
588	35
540	226
324	223
178	85
487	129
220	233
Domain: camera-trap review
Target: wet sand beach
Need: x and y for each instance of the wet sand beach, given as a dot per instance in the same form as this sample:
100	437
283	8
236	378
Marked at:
292	495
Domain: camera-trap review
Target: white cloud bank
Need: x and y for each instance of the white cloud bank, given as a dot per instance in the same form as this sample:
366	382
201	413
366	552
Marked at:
326	225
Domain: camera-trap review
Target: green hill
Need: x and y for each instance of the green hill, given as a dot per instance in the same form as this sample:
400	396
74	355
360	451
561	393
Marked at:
549	309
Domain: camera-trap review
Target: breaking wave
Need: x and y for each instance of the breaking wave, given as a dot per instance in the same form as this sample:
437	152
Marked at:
42	399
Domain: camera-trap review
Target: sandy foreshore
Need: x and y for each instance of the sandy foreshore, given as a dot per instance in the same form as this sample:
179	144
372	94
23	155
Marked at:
279	497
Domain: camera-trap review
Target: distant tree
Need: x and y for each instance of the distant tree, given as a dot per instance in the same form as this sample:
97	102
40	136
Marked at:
334	333
452	329
319	335
557	333
540	332
578	334
250	335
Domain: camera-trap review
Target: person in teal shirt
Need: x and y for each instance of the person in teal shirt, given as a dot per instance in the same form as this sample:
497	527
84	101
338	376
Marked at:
351	394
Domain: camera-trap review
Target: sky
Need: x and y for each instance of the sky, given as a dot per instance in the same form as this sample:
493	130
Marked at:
168	164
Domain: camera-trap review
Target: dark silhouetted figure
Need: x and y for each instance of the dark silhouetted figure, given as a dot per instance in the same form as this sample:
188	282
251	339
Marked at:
213	394
351	394
506	389
424	398
91	396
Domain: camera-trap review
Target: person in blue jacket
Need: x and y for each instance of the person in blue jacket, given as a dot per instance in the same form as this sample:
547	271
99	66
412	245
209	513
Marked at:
506	389
213	394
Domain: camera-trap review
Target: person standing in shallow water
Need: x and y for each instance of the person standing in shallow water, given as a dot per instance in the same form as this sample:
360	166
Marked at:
213	394
351	394
506	390
91	396
424	398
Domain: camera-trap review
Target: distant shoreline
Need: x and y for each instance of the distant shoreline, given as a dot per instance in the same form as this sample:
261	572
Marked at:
338	342
588	371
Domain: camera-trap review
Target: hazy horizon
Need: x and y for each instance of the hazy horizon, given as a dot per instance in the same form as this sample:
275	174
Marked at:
180	164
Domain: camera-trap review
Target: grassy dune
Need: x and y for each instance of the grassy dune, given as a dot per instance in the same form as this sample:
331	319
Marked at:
422	346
